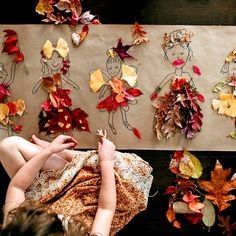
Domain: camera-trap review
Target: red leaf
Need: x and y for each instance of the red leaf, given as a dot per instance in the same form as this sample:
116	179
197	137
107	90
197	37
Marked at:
46	105
137	133
9	32
12	108
194	218
18	128
153	95
200	97
196	70
10	45
134	92
122	50
79	118
19	57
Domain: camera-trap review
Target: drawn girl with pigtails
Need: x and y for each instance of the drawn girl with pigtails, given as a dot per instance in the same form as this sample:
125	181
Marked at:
56	115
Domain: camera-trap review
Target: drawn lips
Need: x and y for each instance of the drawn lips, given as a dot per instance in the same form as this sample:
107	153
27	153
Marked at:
178	62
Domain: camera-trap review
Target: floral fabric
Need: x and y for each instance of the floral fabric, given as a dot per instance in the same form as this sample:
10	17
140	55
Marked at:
74	191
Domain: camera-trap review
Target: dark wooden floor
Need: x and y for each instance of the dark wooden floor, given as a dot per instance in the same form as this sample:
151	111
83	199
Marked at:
168	12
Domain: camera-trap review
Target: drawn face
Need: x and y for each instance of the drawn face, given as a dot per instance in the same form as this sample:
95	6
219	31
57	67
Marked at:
113	66
232	67
55	62
177	56
3	73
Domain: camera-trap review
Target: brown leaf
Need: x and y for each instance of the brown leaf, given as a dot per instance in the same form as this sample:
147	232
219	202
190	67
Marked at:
218	188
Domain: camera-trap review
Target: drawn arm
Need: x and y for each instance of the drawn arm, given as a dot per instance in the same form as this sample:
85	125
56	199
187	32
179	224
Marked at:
70	82
12	75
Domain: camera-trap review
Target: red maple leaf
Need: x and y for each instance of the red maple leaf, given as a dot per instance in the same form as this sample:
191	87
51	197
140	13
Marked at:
122	50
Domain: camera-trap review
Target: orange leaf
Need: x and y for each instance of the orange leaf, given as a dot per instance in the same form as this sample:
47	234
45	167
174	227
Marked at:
177	224
139	34
218	188
170	214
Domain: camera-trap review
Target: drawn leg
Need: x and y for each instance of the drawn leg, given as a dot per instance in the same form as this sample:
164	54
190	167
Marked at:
111	122
124	119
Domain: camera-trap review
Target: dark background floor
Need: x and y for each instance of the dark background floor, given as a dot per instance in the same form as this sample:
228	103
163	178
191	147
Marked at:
165	12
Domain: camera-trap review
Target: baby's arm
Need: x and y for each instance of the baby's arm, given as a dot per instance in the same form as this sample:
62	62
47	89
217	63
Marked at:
107	195
26	174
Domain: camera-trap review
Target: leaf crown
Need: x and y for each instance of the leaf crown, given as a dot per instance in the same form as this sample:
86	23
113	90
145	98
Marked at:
178	37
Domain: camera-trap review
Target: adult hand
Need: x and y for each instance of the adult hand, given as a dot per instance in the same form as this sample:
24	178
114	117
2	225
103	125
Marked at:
60	143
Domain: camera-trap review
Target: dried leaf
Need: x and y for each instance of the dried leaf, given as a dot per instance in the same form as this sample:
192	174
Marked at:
137	133
208	212
225	223
96	80
4	111
197	70
122	50
10	45
129	74
181	208
139	34
233	135
170	215
218	188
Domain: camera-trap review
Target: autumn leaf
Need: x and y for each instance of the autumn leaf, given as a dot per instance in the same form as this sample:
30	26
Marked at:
137	133
197	70
219	187
10	45
139	34
227	225
121	50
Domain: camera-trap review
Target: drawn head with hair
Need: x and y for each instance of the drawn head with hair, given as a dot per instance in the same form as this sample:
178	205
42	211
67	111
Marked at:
176	47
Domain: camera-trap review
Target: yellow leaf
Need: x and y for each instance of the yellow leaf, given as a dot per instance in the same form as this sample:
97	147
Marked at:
129	74
197	166
62	47
43	7
20	107
96	80
4	111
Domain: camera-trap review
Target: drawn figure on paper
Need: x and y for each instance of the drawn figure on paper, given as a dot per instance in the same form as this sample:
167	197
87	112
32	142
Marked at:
118	84
177	109
56	115
8	108
226	102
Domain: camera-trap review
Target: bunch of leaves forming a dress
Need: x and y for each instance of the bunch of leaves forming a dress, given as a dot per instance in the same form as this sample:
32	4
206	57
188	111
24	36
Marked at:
56	115
10	109
199	200
178	110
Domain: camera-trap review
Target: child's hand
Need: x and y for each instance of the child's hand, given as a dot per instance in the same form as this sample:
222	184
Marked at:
106	150
60	143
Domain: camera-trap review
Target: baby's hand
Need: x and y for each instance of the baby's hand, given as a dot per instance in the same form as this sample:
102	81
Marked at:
106	150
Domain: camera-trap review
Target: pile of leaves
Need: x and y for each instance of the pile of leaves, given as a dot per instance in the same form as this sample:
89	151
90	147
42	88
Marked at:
199	201
178	110
56	115
67	11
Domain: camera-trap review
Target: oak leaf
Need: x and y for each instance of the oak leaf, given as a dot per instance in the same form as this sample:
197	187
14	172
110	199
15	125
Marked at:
218	188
